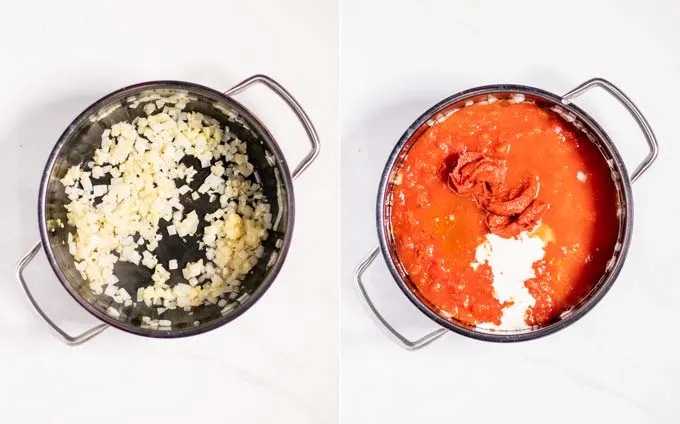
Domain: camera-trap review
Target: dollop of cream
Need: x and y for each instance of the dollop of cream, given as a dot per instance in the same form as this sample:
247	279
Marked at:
511	261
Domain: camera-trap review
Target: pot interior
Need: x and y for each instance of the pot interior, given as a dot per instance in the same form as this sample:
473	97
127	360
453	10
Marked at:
572	116
77	146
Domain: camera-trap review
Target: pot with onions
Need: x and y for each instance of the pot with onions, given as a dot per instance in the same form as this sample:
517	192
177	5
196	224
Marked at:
166	208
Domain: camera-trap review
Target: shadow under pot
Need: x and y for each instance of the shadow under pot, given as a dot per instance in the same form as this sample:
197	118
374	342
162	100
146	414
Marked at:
270	172
405	257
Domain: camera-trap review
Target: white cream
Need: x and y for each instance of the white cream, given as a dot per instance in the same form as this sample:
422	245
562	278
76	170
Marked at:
511	261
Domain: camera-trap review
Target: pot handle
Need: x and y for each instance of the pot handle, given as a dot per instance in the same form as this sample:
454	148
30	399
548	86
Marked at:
630	106
61	334
297	109
391	331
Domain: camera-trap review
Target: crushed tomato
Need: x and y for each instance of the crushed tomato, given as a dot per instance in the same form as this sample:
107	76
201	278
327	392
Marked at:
436	230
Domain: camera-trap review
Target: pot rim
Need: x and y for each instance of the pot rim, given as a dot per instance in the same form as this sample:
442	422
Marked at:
597	292
256	125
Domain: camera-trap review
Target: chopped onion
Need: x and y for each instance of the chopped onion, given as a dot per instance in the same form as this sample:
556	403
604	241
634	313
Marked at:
142	159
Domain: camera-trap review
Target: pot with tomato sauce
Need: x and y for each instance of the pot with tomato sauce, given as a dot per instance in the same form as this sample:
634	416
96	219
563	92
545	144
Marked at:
505	212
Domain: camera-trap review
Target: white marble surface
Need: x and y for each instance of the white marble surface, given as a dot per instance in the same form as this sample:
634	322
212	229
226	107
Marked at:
619	364
277	362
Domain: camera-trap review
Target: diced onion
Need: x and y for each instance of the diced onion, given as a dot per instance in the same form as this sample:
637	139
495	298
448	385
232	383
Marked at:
142	158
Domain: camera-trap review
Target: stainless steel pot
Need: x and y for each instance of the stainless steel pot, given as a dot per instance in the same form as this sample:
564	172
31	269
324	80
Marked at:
78	143
562	105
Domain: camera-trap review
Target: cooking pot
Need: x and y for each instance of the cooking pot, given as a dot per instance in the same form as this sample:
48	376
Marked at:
562	105
78	143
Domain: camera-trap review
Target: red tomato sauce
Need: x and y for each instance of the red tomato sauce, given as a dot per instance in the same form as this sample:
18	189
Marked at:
436	230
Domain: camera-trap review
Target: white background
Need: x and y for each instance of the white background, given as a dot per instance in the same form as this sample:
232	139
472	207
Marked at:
277	362
619	364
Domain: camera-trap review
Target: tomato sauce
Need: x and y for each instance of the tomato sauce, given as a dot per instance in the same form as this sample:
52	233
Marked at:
436	228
